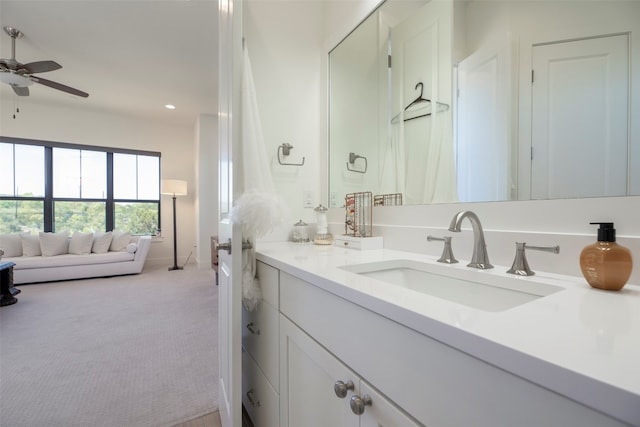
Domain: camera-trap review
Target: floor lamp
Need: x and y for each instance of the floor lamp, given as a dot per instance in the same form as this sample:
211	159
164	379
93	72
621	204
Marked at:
174	187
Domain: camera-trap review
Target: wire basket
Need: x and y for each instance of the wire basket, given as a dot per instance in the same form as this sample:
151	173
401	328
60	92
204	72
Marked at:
394	199
359	211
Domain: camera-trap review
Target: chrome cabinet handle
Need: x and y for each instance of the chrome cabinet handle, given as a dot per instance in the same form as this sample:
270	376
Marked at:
252	329
341	389
358	403
250	395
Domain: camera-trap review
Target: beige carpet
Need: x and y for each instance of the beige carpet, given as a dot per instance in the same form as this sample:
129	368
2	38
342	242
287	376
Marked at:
127	351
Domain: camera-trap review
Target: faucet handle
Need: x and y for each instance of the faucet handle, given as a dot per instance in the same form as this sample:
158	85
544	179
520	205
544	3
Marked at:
520	265
447	253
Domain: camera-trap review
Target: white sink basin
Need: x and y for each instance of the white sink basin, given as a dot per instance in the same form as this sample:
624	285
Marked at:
469	287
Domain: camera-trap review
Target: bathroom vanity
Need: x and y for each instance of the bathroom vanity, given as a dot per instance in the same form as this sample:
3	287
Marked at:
334	337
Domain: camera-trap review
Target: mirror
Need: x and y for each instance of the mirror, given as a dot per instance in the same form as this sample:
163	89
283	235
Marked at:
464	101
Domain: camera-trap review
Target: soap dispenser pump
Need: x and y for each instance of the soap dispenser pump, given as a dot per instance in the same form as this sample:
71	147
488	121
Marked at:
605	264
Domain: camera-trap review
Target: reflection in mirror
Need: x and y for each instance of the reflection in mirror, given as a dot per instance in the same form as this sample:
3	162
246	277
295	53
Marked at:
542	106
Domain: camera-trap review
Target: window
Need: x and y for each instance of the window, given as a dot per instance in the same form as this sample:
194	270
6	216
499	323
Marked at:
79	174
86	217
22	172
136	190
17	216
135	177
49	186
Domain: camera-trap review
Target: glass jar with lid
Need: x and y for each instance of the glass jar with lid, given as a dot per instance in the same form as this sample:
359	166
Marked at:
300	232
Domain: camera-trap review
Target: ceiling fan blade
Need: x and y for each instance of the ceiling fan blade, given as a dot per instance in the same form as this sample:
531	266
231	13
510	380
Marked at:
41	66
20	91
58	86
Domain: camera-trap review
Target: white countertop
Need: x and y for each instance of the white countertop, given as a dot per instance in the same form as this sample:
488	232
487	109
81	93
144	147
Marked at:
581	342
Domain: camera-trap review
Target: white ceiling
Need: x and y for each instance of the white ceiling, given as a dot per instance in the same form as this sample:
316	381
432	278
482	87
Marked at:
131	56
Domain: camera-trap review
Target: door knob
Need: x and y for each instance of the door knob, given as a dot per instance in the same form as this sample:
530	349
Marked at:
341	389
224	246
358	403
227	246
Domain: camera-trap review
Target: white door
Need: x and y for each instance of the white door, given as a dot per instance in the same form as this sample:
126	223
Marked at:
483	165
229	264
580	118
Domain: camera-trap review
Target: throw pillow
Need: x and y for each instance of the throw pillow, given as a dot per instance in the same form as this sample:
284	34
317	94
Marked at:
52	244
101	242
81	243
11	244
30	245
120	241
132	248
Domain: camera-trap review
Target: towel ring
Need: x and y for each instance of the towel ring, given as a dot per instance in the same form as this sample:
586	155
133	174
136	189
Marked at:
352	159
286	150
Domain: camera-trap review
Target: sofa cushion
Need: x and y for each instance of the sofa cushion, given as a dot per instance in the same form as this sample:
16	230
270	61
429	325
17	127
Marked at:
52	244
70	259
11	244
30	245
101	242
81	243
120	241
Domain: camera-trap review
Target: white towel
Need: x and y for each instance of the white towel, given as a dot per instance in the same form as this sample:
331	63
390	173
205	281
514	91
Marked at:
259	210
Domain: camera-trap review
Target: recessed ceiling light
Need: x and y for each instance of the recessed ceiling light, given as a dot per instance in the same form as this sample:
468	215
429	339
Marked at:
170	107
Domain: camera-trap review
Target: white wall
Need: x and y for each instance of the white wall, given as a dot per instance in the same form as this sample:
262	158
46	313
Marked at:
81	126
206	206
284	39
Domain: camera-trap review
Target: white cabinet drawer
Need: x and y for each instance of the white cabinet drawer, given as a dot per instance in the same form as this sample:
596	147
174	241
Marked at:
258	397
260	337
269	278
435	383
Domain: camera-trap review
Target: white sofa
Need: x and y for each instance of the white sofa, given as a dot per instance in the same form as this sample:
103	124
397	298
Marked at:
33	269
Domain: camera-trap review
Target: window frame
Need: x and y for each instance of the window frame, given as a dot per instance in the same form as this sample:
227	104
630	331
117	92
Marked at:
48	199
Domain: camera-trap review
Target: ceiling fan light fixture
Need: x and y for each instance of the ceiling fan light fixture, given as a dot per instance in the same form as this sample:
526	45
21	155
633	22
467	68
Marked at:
20	76
16	80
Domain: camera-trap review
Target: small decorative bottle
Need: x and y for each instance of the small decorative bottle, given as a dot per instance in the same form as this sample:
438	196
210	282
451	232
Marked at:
605	264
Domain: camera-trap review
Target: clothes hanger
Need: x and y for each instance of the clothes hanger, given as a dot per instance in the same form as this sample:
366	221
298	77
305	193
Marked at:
414	105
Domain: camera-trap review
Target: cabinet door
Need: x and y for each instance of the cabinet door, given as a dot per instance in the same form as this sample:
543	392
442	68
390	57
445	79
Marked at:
382	413
308	374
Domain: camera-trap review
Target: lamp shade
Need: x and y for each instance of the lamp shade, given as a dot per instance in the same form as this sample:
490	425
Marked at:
174	187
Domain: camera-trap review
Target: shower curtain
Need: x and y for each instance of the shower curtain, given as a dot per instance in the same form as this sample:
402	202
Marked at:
428	158
259	209
393	171
440	173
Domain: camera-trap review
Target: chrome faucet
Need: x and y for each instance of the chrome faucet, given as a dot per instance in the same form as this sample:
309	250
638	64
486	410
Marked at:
480	258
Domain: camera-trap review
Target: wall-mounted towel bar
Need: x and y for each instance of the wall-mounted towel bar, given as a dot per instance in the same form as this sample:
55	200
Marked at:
352	160
285	150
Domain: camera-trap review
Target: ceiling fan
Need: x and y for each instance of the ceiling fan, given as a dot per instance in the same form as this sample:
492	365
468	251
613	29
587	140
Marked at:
21	76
